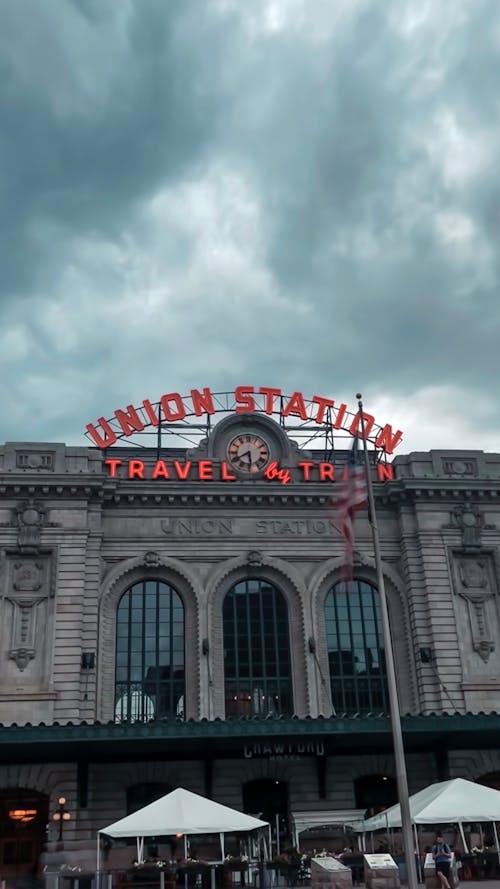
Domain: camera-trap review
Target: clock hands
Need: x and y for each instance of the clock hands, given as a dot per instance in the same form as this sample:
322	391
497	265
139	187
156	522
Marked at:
248	454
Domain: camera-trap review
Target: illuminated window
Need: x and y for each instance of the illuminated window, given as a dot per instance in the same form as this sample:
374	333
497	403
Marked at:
355	649
256	651
149	653
22	815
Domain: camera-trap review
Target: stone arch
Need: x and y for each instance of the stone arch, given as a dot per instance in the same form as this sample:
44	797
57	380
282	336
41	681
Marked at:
258	566
327	575
150	566
474	765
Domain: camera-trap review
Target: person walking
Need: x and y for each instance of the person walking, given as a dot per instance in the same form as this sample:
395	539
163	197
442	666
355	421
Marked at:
441	854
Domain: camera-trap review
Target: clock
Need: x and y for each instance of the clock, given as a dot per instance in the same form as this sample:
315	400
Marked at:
248	452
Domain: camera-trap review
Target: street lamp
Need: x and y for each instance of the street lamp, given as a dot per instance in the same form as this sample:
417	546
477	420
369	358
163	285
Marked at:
61	815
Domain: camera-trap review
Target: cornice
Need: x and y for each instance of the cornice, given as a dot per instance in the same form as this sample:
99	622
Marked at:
201	494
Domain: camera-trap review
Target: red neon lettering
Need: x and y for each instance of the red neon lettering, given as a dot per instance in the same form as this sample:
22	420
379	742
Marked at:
296	406
326	472
225	474
113	466
169	414
306	467
244	399
385	472
203	402
323	403
129	420
356	429
136	468
270	394
182	470
386	439
205	470
110	437
151	413
340	416
273	472
160	470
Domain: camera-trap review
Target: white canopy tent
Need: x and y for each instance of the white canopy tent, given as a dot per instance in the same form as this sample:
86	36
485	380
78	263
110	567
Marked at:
180	812
450	802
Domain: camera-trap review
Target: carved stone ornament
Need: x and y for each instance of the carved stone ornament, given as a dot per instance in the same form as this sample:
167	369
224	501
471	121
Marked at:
22	657
151	560
475	588
254	559
30	521
27	576
471	523
23	648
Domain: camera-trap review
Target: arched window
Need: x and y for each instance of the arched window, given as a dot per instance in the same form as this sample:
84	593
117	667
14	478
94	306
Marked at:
149	653
355	648
256	651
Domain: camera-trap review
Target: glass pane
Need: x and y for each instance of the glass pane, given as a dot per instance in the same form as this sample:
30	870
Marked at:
256	644
355	657
149	680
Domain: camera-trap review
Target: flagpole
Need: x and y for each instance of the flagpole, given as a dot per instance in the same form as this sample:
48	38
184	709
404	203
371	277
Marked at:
397	735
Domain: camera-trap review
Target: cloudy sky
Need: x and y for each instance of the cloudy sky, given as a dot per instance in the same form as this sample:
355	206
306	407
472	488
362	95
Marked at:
294	193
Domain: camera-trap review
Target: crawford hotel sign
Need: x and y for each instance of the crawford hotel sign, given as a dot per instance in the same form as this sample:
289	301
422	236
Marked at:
250	449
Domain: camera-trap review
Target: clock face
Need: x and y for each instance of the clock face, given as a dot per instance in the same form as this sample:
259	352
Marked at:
248	452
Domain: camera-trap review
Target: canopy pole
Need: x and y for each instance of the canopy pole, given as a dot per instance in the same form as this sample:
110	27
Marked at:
222	847
462	834
185	847
481	837
496	840
138	850
417	853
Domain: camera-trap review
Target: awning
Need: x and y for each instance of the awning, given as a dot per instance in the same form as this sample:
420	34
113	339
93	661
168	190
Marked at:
327	818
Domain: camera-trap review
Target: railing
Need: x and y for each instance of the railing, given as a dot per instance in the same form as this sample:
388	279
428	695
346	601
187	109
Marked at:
254	875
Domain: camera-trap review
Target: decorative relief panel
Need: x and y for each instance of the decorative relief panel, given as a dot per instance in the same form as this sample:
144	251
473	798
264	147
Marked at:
26	616
35	460
477	607
471	522
460	468
30	517
23	636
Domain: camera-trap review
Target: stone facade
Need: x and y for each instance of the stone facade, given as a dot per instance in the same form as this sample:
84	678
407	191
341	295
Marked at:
73	539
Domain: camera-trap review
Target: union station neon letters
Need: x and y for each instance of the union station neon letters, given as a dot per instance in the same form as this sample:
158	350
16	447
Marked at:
173	407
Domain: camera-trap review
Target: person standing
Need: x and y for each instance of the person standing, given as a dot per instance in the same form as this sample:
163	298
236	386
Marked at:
441	854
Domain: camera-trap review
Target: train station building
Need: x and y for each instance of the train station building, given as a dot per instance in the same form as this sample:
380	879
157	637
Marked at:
174	613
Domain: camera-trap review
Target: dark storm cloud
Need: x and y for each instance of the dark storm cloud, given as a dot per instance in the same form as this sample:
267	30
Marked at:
82	144
347	158
275	193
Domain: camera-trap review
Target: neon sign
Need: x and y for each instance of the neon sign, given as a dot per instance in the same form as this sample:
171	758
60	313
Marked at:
213	471
175	408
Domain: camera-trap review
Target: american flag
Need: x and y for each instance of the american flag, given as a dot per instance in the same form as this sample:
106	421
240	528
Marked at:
350	494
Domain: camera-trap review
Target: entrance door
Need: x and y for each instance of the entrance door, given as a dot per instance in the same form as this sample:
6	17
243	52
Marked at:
267	799
23	822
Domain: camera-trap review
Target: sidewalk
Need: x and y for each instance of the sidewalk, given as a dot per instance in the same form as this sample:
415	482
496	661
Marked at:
466	884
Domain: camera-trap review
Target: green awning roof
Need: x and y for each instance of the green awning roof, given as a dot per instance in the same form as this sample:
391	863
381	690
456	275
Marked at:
101	742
